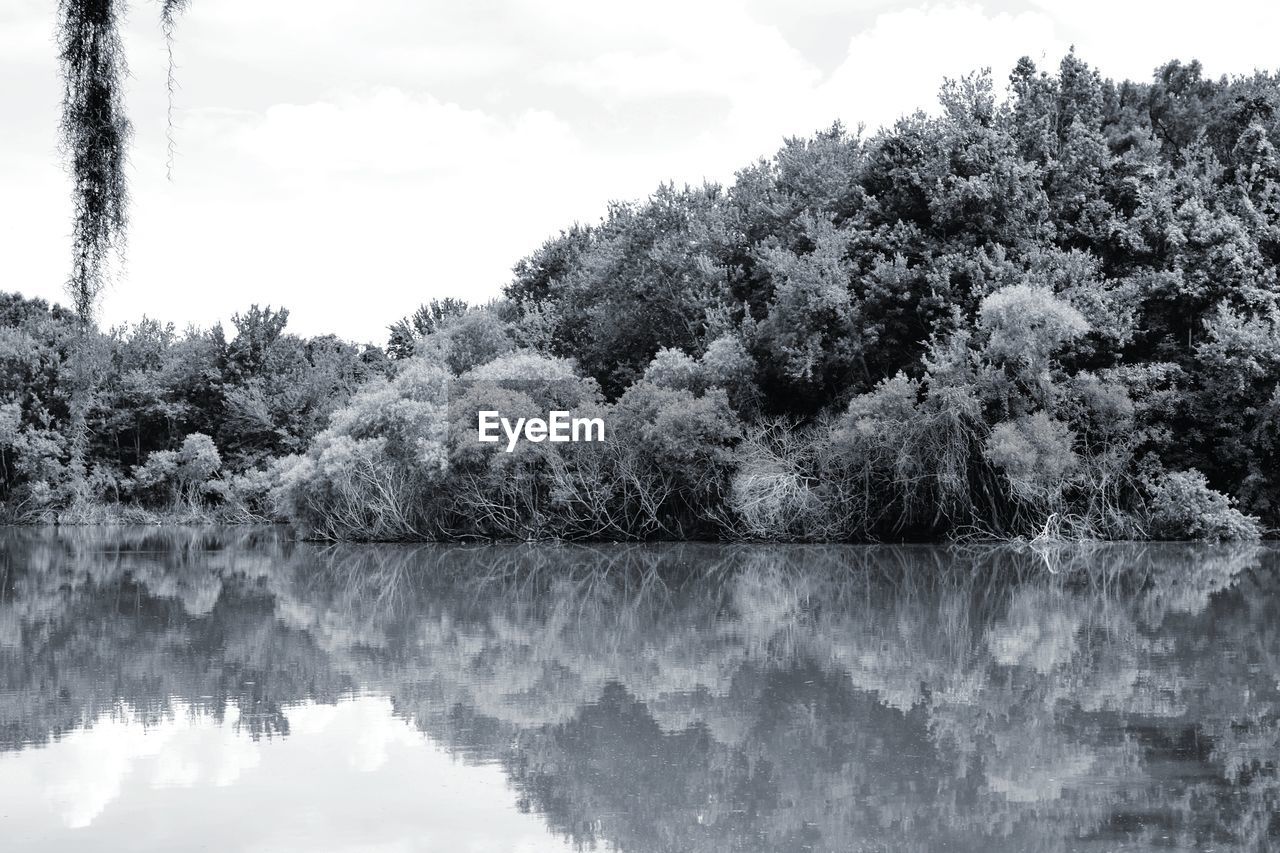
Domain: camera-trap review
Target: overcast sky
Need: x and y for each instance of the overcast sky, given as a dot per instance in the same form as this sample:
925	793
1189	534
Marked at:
350	159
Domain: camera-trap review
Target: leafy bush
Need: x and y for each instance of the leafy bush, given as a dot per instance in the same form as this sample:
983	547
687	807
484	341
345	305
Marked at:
541	489
523	366
372	474
253	496
156	478
675	453
178	476
1036	453
32	475
727	364
674	369
467	340
1026	325
902	457
197	461
811	332
1182	506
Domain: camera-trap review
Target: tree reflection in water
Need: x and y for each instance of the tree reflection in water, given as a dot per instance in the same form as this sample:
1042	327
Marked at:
698	697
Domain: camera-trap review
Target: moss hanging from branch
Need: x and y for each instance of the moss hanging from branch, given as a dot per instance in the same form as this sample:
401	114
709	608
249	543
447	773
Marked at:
168	21
95	136
96	133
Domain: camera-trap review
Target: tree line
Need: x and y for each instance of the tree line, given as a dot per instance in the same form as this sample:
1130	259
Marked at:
1049	312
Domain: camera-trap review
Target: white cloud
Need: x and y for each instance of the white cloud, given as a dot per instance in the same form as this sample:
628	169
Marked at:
678	49
1131	39
94	765
392	132
193	777
916	48
350	160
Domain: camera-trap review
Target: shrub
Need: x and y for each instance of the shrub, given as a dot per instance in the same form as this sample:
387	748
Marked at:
812	333
371	475
675	452
1035	453
523	366
156	478
1182	506
1027	325
178	476
251	496
727	364
33	477
197	461
540	489
674	369
467	341
901	458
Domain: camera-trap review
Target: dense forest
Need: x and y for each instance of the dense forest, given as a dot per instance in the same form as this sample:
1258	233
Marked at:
1048	310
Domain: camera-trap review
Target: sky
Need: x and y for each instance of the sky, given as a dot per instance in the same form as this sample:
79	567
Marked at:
351	159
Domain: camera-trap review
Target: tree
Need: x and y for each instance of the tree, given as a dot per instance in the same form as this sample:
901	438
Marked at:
811	335
1011	315
427	318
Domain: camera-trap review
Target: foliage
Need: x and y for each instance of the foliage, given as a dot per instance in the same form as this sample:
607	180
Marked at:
674	369
1002	319
467	340
1026	325
181	475
1035	452
95	135
983	320
406	332
256	397
727	364
370	474
1184	507
541	490
680	450
773	494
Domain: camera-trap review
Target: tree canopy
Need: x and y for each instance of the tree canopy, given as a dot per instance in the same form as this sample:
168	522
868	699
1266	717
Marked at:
1050	308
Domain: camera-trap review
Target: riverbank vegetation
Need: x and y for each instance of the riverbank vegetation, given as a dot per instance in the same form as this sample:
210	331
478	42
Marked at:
1050	311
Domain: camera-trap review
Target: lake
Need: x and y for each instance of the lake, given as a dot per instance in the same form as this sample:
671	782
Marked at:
230	689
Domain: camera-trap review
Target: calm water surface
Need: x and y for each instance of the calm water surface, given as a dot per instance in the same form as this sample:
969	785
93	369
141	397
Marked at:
229	690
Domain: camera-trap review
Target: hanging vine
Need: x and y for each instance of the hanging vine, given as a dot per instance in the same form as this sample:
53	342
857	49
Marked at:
95	135
169	12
